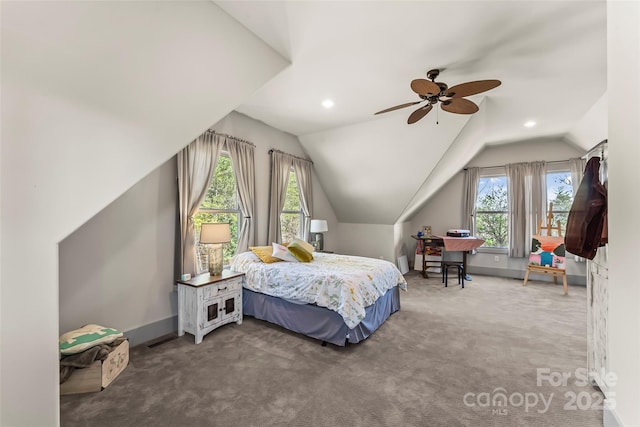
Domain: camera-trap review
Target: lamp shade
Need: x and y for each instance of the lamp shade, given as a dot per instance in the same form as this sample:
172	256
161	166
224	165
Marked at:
319	226
215	232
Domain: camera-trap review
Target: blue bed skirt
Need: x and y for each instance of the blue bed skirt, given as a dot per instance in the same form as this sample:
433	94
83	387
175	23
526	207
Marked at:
319	322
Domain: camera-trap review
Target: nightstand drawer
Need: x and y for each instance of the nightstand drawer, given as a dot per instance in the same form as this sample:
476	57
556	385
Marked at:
213	291
230	285
209	292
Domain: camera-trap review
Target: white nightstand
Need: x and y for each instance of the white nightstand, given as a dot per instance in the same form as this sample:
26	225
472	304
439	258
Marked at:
206	302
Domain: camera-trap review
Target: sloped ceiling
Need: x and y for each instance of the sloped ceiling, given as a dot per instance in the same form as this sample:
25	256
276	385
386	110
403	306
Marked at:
550	57
132	97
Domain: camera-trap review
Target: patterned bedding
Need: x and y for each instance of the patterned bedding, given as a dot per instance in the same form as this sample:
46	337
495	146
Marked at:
342	283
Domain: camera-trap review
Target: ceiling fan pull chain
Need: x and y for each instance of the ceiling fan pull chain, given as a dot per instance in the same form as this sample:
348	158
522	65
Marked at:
437	115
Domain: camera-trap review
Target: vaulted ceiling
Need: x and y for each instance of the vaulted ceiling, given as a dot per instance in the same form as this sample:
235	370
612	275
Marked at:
550	57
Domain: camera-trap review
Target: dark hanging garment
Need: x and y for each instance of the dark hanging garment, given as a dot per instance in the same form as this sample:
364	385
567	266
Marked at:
588	214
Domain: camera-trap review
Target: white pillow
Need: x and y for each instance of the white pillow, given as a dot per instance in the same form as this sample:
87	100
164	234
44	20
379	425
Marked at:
86	337
281	252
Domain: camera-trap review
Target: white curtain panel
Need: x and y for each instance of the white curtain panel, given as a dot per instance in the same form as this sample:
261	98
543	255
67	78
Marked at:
470	194
303	173
576	166
471	178
242	158
516	173
196	165
527	184
537	201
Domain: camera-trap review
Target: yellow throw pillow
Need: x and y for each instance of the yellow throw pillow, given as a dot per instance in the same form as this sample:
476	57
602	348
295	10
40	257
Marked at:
299	252
264	253
306	245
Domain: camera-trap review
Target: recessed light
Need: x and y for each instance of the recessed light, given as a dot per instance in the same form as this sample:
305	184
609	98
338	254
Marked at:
327	103
530	124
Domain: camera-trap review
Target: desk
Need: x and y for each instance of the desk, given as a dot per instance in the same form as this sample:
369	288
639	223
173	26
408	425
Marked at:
450	244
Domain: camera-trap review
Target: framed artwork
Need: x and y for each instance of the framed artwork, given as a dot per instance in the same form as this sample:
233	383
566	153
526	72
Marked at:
547	251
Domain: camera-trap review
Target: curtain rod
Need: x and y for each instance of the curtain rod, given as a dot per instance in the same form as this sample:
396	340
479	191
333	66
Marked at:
599	145
231	137
501	166
295	157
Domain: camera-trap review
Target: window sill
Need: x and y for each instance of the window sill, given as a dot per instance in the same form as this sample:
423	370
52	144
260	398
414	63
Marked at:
482	250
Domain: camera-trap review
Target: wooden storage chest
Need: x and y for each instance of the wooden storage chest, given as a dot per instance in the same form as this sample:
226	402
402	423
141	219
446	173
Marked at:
100	374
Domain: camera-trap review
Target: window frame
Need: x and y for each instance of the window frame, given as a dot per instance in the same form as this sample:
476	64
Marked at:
210	211
498	171
492	173
300	212
553	168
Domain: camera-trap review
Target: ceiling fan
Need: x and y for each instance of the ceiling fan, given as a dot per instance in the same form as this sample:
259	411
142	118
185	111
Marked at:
450	98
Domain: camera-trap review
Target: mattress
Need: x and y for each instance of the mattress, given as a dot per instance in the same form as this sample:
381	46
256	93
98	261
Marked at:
341	283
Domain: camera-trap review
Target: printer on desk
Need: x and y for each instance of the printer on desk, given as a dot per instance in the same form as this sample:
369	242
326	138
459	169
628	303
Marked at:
458	233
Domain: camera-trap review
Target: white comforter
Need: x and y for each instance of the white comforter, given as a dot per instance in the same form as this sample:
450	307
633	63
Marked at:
342	283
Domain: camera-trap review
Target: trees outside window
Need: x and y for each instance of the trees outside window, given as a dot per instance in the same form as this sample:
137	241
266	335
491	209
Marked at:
220	205
291	216
492	211
492	206
560	193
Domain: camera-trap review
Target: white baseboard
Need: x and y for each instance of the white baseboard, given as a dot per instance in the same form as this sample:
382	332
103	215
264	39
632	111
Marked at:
152	331
517	274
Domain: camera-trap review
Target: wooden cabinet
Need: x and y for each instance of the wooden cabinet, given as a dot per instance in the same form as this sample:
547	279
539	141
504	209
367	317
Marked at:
207	302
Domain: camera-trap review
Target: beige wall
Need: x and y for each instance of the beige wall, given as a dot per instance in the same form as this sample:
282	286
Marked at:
370	240
92	103
623	31
117	269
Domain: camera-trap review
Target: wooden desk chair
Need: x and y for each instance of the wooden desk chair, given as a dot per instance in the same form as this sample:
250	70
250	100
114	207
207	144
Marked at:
548	269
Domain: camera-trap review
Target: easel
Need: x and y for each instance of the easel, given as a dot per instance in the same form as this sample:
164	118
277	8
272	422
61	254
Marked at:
540	269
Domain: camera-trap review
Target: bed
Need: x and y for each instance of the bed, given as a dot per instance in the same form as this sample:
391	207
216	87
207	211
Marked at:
338	299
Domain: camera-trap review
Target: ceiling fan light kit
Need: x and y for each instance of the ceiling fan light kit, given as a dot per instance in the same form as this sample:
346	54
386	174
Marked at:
451	99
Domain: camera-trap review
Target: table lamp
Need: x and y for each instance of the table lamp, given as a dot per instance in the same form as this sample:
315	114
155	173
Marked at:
214	234
318	226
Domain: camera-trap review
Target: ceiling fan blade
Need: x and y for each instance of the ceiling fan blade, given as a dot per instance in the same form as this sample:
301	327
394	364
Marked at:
419	113
397	107
471	88
425	87
459	106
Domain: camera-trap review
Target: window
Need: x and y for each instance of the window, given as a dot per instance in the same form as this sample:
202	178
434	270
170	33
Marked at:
221	204
492	211
492	204
560	193
291	216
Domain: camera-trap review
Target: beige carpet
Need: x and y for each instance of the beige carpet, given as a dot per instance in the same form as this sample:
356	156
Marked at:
440	361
